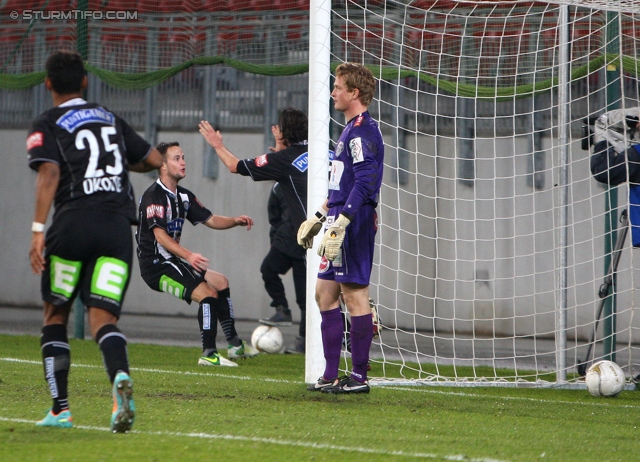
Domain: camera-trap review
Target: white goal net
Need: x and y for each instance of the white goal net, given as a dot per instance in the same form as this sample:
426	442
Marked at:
494	238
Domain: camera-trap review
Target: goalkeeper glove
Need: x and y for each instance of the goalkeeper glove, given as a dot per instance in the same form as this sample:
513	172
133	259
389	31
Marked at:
310	227
333	238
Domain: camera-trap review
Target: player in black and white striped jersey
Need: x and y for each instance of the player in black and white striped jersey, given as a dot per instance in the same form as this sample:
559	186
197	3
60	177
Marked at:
167	266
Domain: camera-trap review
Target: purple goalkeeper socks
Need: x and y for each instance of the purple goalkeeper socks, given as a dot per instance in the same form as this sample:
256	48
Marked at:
332	330
361	337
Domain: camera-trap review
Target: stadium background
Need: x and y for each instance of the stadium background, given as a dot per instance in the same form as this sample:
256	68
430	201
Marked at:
165	110
259	52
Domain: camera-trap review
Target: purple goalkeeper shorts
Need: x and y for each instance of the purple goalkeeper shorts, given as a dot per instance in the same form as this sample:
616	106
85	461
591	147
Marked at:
355	263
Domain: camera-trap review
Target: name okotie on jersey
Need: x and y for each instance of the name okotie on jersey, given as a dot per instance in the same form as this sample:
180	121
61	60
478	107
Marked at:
93	148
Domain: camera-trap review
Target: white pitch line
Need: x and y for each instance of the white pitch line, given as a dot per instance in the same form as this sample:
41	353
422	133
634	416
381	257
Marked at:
425	389
159	371
510	398
302	444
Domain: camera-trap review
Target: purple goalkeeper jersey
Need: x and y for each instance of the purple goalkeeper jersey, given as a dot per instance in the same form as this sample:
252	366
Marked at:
356	169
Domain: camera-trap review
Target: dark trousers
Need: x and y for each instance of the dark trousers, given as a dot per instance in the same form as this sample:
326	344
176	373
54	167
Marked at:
276	263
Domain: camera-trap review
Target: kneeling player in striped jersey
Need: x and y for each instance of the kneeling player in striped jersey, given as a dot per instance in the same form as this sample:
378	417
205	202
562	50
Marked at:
166	266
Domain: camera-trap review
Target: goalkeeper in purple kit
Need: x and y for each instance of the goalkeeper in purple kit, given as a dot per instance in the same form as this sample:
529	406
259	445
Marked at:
348	243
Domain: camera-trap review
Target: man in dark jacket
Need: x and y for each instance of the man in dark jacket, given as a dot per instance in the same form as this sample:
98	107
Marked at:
287	164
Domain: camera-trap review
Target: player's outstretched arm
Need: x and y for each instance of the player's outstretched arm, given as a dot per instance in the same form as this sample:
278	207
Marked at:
194	259
152	162
46	187
214	138
220	222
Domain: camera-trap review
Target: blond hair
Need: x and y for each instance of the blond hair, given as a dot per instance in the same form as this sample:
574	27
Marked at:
360	77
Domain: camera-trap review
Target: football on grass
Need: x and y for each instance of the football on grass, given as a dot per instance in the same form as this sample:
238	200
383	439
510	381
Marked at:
605	378
267	339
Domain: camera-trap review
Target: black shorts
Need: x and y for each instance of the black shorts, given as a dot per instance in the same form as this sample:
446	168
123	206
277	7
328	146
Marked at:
175	277
88	253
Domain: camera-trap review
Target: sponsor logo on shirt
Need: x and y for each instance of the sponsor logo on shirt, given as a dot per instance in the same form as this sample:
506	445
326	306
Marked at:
358	121
355	146
185	202
75	118
155	210
261	161
175	226
35	140
301	162
324	265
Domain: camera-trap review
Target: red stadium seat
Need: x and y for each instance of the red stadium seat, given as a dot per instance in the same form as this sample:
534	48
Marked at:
18	5
296	27
631	40
348	45
58	40
199	40
238	5
191	6
124	51
425	47
159	6
261	5
276	5
290	5
585	40
118	5
367	3
366	45
436	48
136	45
113	48
59	5
174	45
546	45
549	37
25	52
451	4
501	40
9	40
500	47
586	43
433	4
136	39
213	6
377	41
227	42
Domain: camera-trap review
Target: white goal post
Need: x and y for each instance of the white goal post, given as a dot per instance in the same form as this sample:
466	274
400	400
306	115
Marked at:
494	238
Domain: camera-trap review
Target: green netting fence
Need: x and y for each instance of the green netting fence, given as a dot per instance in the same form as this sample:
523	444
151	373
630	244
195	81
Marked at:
139	81
261	45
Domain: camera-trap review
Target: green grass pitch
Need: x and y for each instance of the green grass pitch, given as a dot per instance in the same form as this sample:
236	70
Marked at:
261	411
